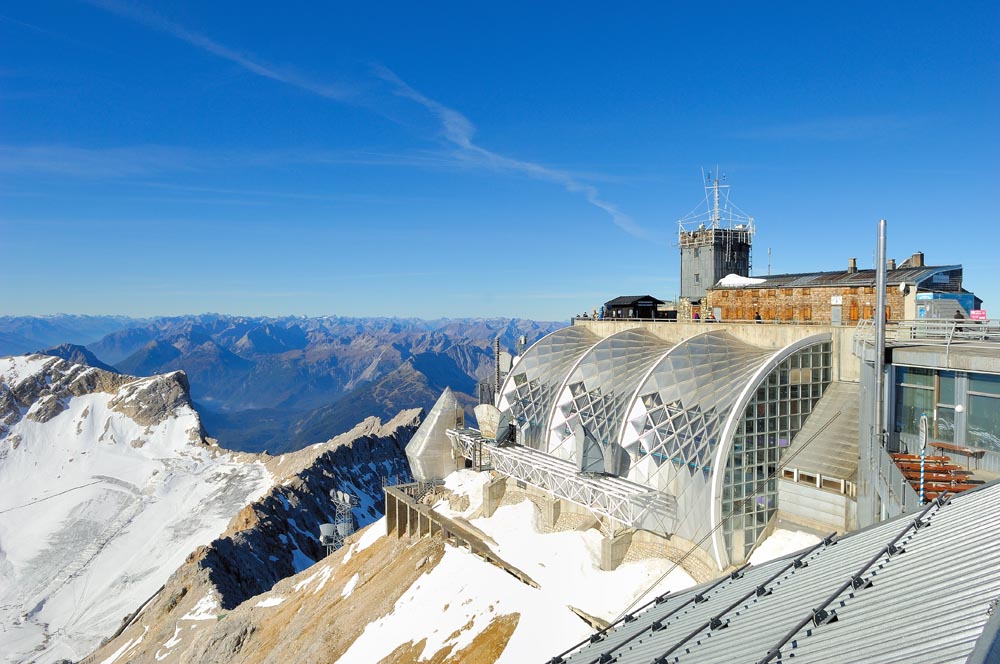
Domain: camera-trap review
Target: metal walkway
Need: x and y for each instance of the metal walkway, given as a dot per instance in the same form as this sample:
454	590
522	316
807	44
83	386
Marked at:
628	503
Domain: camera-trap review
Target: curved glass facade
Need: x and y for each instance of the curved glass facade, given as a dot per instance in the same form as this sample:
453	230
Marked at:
681	406
704	420
775	413
597	392
529	391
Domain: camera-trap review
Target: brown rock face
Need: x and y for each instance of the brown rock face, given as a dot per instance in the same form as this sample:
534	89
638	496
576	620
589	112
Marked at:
261	550
43	395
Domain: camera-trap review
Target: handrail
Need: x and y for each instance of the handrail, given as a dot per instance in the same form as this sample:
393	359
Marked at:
947	333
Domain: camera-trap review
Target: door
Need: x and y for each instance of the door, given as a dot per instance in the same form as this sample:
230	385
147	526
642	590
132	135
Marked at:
836	314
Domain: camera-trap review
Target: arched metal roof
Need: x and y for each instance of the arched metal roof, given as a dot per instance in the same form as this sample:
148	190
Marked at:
596	391
529	391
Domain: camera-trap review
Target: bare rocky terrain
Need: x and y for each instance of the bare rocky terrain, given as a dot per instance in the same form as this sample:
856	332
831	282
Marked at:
269	542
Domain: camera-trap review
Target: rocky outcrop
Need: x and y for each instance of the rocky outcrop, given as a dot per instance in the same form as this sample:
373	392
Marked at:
271	539
43	393
107	485
75	354
281	530
150	401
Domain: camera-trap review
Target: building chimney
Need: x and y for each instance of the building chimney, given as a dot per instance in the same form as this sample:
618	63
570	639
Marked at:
891	264
918	259
852	265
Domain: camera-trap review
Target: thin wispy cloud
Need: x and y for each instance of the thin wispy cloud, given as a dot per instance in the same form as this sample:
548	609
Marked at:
459	131
95	163
337	92
149	160
456	128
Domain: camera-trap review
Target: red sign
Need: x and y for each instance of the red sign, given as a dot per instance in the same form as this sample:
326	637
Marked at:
978	314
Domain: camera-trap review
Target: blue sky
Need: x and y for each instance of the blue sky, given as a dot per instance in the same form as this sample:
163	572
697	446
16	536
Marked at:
472	159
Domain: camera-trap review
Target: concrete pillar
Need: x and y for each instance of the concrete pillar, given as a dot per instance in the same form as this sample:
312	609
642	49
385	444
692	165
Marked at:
390	514
551	507
493	493
403	519
613	550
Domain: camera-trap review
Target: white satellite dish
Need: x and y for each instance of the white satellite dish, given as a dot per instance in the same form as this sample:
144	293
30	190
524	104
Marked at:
488	417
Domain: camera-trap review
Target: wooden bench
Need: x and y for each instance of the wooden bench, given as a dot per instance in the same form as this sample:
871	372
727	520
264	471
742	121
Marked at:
941	488
916	457
936	467
914	476
968	452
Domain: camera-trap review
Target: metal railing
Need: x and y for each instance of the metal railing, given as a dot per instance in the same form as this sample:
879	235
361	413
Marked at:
736	321
931	332
898	496
629	503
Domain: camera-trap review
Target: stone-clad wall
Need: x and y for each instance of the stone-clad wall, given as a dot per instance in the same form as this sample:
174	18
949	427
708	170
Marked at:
811	305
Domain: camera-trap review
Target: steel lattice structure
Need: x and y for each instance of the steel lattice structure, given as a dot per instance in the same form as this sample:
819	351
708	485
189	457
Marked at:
628	503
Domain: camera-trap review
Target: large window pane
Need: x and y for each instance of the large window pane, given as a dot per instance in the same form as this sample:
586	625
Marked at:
945	425
911	403
946	387
984	422
984	383
914	376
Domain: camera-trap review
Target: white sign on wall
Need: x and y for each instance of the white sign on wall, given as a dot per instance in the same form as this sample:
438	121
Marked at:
836	299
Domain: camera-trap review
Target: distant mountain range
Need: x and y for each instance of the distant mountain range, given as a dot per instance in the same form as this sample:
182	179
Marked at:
279	384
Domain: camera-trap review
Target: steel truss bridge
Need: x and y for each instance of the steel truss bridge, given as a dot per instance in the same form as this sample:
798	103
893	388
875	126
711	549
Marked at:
628	503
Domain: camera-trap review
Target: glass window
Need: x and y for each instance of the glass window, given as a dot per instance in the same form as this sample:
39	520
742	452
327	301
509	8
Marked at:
946	388
984	422
770	411
914	376
911	403
945	425
984	383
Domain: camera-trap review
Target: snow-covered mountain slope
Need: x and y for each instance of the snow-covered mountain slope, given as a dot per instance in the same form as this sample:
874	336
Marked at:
268	541
382	600
106	486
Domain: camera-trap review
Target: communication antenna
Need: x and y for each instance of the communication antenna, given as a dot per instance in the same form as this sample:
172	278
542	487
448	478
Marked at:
718	216
332	535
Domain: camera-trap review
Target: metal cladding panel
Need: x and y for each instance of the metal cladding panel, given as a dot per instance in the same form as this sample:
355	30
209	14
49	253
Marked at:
678	614
676	419
834	453
927	603
529	391
429	451
598	391
683	402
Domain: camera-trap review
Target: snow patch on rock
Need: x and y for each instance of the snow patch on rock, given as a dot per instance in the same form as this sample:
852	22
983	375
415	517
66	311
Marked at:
269	602
567	564
458	599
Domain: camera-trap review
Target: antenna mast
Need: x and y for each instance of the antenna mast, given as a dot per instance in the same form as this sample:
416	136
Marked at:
716	216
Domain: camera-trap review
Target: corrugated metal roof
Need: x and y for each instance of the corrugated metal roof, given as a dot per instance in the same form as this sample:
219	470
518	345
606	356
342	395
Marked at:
910	275
834	452
894	592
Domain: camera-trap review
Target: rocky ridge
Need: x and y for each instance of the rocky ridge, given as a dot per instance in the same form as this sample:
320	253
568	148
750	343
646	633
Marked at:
40	386
270	540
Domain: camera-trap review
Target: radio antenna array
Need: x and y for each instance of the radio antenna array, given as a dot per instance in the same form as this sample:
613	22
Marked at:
332	535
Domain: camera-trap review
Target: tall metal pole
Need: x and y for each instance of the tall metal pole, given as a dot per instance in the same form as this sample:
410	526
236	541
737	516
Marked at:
880	339
496	362
923	452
